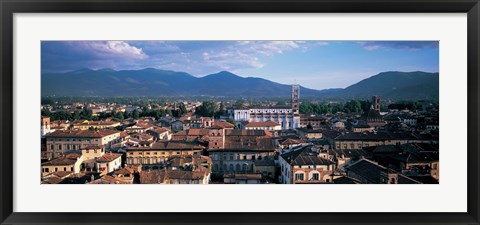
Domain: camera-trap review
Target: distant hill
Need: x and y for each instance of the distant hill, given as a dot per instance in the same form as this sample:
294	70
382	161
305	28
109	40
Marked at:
154	82
395	85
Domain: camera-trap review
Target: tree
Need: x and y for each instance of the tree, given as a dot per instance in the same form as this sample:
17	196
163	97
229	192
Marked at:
208	108
76	115
135	114
182	109
119	116
86	113
353	106
239	103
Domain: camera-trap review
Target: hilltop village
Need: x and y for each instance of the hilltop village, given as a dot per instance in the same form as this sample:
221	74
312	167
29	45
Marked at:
247	144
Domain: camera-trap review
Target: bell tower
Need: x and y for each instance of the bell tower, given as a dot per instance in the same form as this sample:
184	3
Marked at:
376	103
296	98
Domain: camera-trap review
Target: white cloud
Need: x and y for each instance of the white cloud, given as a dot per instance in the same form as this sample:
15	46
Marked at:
112	49
198	58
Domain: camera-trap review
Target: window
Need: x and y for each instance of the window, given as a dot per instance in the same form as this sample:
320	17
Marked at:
315	176
64	168
299	176
47	170
359	146
352	146
253	157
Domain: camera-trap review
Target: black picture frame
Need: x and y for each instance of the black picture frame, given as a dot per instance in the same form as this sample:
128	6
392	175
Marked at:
9	7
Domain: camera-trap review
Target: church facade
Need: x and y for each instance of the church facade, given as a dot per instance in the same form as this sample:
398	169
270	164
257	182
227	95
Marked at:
287	117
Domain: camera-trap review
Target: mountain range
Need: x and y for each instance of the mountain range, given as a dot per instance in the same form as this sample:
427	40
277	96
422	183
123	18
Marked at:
155	82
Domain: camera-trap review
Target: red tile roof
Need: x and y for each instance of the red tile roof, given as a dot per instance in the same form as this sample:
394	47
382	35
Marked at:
223	124
82	133
66	160
108	157
171	145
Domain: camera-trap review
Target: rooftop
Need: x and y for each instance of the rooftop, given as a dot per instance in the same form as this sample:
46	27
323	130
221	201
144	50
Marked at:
171	145
108	157
66	160
304	156
81	133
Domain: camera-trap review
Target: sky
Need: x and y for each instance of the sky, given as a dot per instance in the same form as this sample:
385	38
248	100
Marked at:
312	64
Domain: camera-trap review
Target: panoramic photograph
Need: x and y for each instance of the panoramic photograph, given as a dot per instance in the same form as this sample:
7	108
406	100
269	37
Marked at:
239	112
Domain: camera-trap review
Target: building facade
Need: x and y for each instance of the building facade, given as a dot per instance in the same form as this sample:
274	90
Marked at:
156	155
61	141
287	117
305	166
45	126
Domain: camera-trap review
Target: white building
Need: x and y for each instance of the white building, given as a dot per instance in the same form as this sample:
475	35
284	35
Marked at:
45	126
287	117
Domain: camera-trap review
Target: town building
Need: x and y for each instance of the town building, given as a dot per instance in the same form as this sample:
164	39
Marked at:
311	121
189	169
369	172
368	139
139	127
94	158
160	134
155	155
413	159
45	126
61	141
236	151
304	165
68	163
243	179
87	124
309	134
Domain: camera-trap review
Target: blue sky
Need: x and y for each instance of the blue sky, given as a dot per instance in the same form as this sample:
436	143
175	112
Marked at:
313	64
